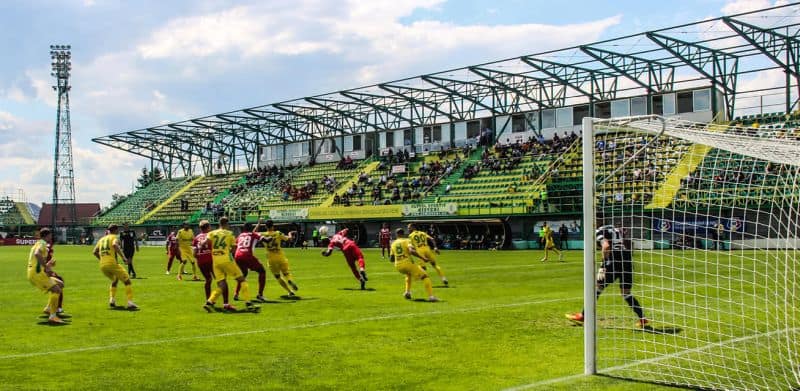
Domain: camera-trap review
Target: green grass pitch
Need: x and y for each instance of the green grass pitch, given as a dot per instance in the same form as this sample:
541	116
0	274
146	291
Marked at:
500	325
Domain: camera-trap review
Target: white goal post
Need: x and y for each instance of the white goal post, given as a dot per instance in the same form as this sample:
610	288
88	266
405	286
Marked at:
711	217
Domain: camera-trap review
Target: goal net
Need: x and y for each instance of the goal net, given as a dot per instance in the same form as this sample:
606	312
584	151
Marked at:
711	216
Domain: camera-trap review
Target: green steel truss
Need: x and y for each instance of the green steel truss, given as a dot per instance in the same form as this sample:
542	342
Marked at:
717	53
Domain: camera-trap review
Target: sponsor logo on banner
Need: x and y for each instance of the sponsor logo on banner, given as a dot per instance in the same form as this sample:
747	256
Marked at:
288	214
355	212
445	209
18	241
399	169
732	225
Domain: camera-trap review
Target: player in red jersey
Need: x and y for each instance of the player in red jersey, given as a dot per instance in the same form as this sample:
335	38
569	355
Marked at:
202	253
246	259
172	249
351	253
385	238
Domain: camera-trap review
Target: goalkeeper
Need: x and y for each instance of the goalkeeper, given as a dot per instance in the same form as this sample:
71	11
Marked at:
617	264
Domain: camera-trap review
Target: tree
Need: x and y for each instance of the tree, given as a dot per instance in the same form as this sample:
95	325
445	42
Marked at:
145	179
156	174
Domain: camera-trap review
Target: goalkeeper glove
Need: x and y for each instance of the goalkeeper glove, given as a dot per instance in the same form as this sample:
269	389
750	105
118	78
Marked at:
601	274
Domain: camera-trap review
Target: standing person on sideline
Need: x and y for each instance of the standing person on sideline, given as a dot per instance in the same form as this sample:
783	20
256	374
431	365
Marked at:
38	267
422	243
246	258
315	237
352	254
401	255
549	244
541	236
106	251
563	235
385	240
617	265
172	249
223	244
185	238
129	246
276	258
202	253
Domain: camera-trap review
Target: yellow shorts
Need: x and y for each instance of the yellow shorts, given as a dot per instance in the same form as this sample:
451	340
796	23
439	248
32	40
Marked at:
187	255
410	269
550	245
427	253
278	264
114	271
42	281
226	269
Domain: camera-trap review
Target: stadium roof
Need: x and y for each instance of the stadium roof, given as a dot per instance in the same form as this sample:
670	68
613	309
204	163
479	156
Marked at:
720	52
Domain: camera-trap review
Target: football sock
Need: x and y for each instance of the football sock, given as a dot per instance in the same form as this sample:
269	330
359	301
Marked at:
207	287
238	287
428	286
61	300
634	305
214	295
284	285
262	280
131	271
129	292
225	294
408	284
169	263
53	304
180	270
438	270
112	292
245	291
194	269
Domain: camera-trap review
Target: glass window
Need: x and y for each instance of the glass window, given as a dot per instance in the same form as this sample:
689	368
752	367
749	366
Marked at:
473	129
685	102
578	113
548	119
426	135
639	105
602	110
407	137
533	120
702	100
389	139
620	108
518	124
668	104
357	142
658	105
437	133
564	117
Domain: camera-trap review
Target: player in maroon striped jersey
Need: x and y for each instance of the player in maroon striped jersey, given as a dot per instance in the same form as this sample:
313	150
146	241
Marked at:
172	249
246	259
385	238
202	253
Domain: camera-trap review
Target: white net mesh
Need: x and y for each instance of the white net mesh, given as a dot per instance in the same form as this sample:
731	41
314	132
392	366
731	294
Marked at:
711	214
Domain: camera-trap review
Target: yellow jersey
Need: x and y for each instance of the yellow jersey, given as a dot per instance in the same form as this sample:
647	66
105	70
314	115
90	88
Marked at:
185	238
108	253
274	245
548	233
401	251
40	247
419	239
221	242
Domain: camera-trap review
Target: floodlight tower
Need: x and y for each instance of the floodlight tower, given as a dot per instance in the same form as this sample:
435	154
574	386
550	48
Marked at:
63	175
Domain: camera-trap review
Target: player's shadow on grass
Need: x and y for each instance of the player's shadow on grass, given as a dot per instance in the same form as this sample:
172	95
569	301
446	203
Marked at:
62	316
292	298
443	286
46	323
641	381
123	308
421	300
358	289
660	330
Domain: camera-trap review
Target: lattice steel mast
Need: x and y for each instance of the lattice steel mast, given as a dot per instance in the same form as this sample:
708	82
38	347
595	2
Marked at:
63	174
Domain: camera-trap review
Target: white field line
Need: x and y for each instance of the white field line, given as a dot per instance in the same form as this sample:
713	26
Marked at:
279	329
652	360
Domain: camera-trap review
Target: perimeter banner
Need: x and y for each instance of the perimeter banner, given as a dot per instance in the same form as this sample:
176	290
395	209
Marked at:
355	212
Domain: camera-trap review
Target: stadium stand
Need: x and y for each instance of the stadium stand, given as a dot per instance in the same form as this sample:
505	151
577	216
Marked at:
12	215
140	202
196	195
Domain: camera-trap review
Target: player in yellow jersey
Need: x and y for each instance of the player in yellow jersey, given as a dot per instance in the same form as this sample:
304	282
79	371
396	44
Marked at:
423	243
401	252
38	274
549	244
278	264
185	238
107	251
223	244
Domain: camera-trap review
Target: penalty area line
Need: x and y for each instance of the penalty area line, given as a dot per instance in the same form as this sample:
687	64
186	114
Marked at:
279	329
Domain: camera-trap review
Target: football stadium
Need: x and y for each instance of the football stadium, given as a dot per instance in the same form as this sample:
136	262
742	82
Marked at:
622	214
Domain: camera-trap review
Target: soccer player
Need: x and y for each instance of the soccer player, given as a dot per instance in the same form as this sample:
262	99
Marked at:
129	246
352	254
549	244
617	265
385	239
400	254
202	252
422	243
172	249
52	273
185	238
223	244
246	259
38	267
106	251
276	259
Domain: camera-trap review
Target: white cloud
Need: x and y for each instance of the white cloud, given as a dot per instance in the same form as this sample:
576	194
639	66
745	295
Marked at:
740	6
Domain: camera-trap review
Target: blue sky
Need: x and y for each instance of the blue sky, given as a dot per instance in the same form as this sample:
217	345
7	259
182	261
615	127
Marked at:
137	64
